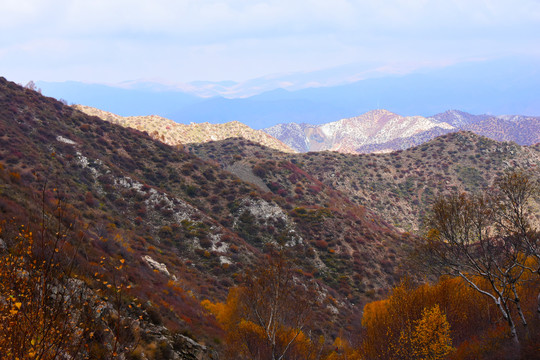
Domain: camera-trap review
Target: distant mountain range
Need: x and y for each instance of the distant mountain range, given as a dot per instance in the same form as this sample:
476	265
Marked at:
383	131
505	86
373	132
173	133
349	135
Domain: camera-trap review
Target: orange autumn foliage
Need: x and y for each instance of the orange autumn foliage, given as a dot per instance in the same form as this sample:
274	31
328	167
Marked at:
343	350
431	337
391	325
265	318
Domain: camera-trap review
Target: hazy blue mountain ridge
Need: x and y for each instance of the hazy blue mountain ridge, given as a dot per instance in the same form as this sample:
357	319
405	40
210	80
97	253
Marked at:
503	86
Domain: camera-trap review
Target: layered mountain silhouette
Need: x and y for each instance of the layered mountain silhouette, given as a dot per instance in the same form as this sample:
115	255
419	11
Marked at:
502	86
383	131
374	131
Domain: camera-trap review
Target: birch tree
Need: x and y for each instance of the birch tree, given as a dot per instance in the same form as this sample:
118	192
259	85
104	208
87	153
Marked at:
517	192
268	317
487	240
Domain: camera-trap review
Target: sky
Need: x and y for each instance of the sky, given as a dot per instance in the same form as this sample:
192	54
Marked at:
178	41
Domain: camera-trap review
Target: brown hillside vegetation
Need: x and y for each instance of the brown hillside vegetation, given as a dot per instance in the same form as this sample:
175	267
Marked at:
175	134
117	246
398	186
183	229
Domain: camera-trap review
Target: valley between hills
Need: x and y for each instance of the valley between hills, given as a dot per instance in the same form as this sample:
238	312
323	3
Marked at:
154	232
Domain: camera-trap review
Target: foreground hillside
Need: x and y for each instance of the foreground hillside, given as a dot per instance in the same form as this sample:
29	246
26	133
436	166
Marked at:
172	230
117	246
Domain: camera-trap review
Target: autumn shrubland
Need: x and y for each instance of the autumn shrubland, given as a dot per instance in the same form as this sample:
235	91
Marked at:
115	245
444	320
487	240
47	311
485	308
399	186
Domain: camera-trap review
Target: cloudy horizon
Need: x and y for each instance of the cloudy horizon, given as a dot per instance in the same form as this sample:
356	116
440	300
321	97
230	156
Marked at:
216	40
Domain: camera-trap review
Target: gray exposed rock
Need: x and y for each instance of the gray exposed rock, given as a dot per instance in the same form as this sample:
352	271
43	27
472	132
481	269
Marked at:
244	172
156	265
188	349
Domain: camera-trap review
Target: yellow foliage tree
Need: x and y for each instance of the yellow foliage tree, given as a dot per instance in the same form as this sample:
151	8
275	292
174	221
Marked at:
342	350
265	318
46	311
431	337
390	326
42	314
487	239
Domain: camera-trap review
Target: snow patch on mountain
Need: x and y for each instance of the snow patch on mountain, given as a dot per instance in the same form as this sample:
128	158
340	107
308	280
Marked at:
347	135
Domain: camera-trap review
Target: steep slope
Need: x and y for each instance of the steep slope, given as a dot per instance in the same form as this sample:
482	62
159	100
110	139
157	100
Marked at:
398	186
175	134
123	195
185	228
348	135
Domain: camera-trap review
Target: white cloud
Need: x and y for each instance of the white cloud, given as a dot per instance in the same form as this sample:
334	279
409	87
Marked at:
244	38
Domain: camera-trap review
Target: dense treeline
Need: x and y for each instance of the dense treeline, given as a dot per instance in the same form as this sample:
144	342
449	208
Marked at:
447	319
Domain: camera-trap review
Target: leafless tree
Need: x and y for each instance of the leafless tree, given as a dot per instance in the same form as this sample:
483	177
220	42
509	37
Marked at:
274	300
517	190
488	240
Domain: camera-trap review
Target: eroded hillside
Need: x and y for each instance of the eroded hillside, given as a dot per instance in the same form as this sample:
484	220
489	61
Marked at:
185	228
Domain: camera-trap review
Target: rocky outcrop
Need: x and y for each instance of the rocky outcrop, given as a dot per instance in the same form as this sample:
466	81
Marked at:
177	346
188	349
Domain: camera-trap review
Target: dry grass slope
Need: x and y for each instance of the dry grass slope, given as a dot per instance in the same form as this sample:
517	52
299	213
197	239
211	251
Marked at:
175	134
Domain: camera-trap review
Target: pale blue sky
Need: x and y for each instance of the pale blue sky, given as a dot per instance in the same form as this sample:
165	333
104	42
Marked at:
184	40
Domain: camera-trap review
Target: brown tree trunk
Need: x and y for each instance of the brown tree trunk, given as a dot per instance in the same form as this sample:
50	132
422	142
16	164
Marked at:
538	310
